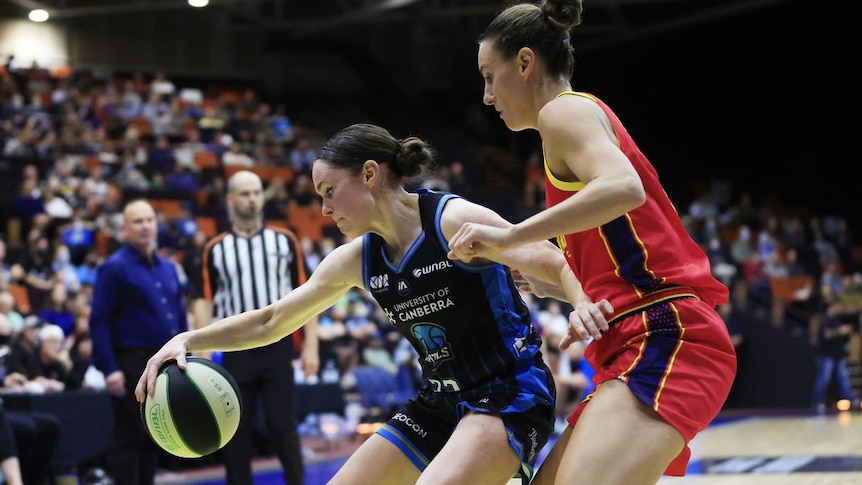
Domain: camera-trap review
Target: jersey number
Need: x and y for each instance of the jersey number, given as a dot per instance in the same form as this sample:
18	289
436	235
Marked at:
447	385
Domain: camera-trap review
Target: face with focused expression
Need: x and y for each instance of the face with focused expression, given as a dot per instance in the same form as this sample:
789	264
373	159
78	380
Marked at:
506	88
346	196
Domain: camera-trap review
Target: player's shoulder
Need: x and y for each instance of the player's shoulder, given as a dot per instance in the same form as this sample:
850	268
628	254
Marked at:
567	108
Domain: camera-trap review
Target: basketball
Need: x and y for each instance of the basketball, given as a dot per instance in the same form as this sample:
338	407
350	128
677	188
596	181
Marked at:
195	412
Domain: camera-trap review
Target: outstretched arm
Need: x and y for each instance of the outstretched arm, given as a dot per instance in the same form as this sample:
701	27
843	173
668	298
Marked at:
336	274
580	146
542	262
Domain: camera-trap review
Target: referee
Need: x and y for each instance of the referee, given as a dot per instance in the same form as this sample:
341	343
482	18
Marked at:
249	267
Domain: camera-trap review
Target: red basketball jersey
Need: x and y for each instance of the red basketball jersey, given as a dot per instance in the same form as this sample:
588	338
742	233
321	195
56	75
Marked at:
642	256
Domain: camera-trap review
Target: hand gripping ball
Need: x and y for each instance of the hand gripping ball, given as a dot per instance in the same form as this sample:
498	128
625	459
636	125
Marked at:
195	412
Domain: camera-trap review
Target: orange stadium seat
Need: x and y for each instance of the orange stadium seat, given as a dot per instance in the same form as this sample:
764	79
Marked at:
22	298
265	172
92	163
169	207
789	288
205	159
302	220
207	225
141	124
277	223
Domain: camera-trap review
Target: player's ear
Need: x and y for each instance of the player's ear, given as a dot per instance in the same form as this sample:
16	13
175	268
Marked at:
526	60
370	171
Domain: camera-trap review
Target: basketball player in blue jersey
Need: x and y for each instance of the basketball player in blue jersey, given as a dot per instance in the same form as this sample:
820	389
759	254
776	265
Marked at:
487	407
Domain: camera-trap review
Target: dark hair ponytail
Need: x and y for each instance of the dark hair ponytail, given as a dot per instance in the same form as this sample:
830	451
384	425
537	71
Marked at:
351	147
564	15
544	28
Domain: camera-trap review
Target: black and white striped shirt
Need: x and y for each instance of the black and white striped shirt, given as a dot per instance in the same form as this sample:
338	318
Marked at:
242	274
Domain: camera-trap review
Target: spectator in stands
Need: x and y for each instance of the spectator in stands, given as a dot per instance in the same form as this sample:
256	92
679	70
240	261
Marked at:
464	345
211	125
138	304
236	157
65	271
49	369
302	156
741	248
8	309
301	191
793	234
89	268
375	354
109	154
5	269
21	146
56	207
27	203
23	347
130	176
735	321
185	151
309	247
10	465
79	235
157	113
57	310
827	252
193	267
571	382
277	198
96	184
162	86
161	157
37	435
83	370
36	271
182	180
282	129
832	338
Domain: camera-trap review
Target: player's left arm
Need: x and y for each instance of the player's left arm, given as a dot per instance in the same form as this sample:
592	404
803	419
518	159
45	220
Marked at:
542	260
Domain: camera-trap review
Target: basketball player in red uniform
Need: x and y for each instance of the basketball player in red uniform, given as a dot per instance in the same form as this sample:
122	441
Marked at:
666	365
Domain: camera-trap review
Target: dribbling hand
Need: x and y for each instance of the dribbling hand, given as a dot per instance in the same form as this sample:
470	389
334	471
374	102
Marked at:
175	349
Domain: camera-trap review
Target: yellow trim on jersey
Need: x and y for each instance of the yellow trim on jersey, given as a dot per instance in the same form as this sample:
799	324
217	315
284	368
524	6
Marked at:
577	93
559	184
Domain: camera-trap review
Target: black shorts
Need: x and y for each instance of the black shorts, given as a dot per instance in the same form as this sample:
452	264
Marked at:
421	428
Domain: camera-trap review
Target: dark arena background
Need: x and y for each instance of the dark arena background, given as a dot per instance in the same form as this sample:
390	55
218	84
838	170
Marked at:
748	109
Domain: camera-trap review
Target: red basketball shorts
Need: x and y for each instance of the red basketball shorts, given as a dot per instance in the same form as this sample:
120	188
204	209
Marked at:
676	357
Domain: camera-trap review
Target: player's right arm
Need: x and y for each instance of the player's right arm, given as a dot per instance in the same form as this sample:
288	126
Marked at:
337	273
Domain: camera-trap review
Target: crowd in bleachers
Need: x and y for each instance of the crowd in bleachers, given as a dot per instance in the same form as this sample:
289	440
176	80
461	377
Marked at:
76	148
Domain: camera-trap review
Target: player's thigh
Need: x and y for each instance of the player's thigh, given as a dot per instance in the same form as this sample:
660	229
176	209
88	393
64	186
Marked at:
547	471
617	441
377	461
477	452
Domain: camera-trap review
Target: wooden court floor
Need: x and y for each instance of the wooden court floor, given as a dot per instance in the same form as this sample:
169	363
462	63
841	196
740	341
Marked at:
777	449
739	449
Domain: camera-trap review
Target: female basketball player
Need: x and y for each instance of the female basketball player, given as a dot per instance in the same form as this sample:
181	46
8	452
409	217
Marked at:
665	367
488	405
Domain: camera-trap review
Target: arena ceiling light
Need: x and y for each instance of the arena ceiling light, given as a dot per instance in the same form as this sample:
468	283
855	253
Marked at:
199	3
38	15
